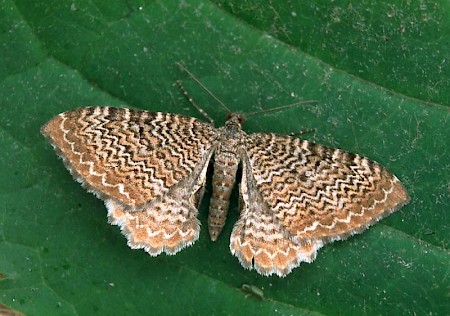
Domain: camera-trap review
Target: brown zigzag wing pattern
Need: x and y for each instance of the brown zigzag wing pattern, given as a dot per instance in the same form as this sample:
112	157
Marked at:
150	170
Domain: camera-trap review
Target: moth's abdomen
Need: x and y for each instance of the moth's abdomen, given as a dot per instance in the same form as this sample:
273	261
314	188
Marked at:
225	167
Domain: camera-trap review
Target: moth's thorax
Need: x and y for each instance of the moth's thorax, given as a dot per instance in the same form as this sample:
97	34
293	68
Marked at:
231	136
226	160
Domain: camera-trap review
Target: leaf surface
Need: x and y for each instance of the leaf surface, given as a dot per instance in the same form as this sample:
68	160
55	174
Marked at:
382	84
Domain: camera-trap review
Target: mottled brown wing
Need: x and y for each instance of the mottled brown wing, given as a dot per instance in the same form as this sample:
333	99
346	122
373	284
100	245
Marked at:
128	155
319	193
257	238
166	225
149	168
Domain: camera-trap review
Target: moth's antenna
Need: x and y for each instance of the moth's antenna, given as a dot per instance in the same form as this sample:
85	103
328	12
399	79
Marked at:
278	108
186	94
191	75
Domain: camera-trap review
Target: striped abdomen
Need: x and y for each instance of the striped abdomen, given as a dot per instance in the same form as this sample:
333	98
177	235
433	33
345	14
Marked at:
225	167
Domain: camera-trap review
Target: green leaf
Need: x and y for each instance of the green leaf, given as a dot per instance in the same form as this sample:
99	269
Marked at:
379	71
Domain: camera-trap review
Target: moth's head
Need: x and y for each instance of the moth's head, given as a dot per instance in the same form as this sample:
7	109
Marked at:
235	119
234	122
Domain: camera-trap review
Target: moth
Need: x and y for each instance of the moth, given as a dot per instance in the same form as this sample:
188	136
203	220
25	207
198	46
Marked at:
150	170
